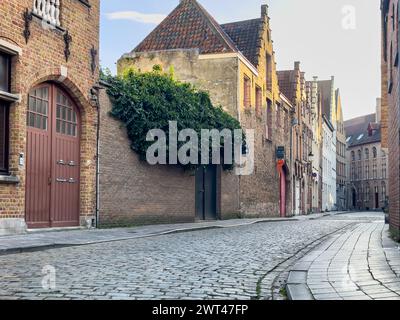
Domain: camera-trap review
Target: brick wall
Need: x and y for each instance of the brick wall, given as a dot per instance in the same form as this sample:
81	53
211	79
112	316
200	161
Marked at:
391	71
133	192
43	60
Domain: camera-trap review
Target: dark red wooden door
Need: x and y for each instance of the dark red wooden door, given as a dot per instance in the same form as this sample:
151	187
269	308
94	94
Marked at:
52	160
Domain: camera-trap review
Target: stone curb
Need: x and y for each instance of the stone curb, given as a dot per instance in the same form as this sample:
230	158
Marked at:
299	292
55	245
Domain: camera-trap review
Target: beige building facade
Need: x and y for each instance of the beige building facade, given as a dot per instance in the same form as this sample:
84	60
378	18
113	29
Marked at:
238	71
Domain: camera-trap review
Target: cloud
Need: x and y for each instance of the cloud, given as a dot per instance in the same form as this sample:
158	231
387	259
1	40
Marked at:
150	18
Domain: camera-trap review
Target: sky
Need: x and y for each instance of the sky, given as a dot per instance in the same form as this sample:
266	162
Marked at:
338	38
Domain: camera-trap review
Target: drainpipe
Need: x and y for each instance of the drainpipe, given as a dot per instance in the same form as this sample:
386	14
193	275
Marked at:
96	92
98	163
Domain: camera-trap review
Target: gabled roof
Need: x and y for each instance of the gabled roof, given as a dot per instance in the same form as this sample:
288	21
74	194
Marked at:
339	111
188	26
358	125
357	130
325	88
328	123
288	82
364	138
246	35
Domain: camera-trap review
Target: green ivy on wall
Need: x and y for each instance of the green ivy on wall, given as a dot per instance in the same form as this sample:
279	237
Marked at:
149	100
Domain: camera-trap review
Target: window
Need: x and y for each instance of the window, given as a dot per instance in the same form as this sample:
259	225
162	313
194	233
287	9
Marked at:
3	137
5	76
247	92
359	155
374	152
384	170
367	154
66	118
5	66
353	156
278	116
383	191
258	100
269	72
268	129
374	170
367	172
394	18
367	193
38	108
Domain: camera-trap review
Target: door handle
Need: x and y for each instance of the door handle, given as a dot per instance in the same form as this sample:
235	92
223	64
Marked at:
61	162
61	180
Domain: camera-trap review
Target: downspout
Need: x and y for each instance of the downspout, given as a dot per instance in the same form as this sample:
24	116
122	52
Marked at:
98	161
239	119
97	89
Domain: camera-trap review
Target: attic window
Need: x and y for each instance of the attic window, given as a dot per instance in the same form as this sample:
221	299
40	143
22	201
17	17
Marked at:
360	137
348	139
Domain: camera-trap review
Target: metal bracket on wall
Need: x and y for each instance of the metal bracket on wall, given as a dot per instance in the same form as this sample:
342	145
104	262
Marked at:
28	17
93	53
67	41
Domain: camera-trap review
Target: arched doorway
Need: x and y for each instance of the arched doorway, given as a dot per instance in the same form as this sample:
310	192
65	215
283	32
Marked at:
52	159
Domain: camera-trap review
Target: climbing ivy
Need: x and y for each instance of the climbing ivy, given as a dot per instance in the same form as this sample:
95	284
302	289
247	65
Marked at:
149	100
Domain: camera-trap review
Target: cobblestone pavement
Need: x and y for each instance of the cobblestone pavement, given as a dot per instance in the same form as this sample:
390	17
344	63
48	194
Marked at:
245	262
361	263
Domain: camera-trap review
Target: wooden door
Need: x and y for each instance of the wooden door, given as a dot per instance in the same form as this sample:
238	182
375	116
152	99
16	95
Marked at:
53	158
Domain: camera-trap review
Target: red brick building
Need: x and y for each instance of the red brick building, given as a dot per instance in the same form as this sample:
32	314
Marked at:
390	105
292	84
48	113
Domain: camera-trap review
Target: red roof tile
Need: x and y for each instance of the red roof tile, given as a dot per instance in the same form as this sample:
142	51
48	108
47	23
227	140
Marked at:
188	26
246	35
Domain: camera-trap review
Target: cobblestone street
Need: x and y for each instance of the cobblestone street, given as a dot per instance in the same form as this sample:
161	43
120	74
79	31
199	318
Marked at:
359	264
245	262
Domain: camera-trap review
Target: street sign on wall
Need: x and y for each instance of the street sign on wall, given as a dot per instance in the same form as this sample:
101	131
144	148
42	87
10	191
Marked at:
280	153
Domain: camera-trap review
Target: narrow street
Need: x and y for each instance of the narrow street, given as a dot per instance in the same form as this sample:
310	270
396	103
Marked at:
358	264
245	262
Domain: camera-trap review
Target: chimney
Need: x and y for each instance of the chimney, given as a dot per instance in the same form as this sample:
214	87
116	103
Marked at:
264	10
297	65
